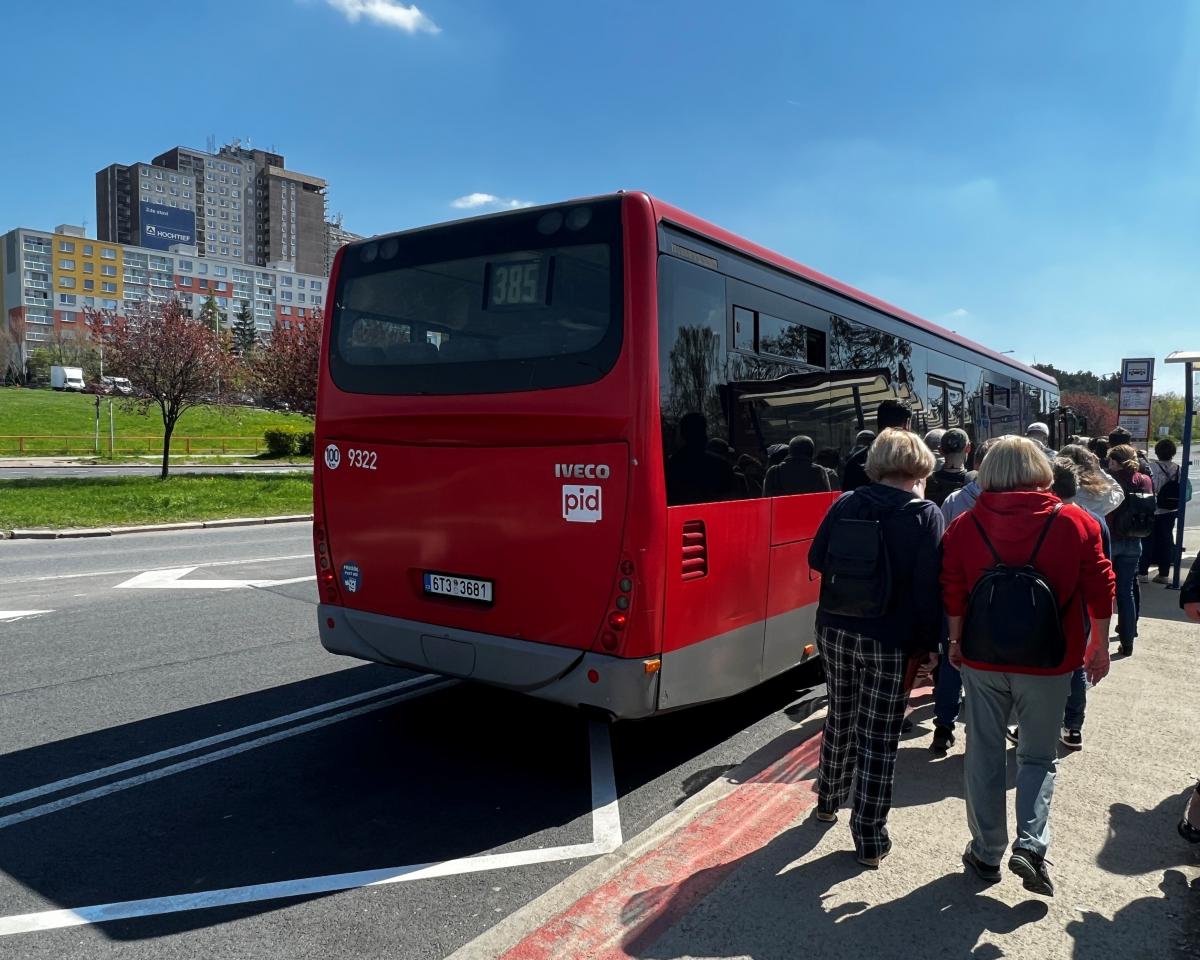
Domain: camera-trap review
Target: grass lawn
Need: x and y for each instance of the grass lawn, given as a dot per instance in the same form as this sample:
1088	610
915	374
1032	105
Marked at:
116	501
47	413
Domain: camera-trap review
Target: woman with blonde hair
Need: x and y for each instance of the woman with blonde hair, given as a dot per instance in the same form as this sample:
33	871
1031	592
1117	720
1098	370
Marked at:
877	552
1020	572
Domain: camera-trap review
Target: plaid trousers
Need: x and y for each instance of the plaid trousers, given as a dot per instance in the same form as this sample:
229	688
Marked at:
862	731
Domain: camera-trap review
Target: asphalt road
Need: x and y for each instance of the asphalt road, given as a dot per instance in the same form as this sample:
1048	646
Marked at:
193	753
138	470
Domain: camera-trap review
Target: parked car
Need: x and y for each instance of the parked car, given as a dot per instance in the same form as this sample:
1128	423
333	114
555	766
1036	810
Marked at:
99	388
118	385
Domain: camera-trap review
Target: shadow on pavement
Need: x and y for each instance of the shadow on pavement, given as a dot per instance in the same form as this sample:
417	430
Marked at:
1144	921
451	773
1143	841
790	917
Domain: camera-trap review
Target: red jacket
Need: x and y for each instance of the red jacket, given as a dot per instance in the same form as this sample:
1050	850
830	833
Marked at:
1072	559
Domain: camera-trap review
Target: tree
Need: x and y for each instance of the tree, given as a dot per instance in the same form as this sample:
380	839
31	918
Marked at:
1083	381
245	336
211	314
1166	410
1101	412
171	357
287	366
12	349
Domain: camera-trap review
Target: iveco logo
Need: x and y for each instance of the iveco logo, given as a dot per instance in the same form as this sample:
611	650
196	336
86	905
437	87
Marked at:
582	471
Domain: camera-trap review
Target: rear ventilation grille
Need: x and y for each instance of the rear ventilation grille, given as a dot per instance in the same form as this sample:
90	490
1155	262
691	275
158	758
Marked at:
695	550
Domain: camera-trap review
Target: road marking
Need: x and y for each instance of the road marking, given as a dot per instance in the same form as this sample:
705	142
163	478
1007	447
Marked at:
171	580
118	573
606	837
12	616
65	803
59	785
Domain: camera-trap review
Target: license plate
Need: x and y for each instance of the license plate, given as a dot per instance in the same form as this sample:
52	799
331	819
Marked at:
464	588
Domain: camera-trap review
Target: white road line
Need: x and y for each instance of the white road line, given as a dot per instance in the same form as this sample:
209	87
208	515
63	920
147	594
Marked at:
12	616
141	569
172	579
605	820
59	785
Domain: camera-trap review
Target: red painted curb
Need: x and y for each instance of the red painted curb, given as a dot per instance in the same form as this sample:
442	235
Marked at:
652	894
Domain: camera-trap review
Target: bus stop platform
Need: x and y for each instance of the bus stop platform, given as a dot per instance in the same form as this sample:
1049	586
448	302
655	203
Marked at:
744	871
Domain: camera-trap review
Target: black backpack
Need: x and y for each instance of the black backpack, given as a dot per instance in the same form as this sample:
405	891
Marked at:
1134	518
1168	493
942	483
857	581
1013	618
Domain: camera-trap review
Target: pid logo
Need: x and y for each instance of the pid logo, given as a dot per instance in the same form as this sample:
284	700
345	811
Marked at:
581	504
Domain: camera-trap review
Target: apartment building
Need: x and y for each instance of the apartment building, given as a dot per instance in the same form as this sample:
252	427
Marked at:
48	279
242	204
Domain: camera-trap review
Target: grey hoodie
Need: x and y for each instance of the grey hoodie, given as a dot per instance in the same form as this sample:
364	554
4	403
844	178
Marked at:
960	501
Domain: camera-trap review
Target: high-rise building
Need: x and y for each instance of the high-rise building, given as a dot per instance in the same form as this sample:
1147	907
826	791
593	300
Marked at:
243	204
338	237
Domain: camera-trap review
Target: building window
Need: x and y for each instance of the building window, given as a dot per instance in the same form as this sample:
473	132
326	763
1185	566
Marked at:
225	251
67	283
301	298
89	301
157	174
300	282
212	248
315	284
202	268
89	268
203	284
87	249
221	271
66	264
286	311
89	284
108	287
107	254
66	246
285	294
107	270
145	172
109	304
172	178
185	265
67	298
287	281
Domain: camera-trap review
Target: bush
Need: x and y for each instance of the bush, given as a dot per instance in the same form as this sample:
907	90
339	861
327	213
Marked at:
304	443
282	443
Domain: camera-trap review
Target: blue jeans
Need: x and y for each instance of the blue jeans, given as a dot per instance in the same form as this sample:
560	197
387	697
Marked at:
947	693
1037	703
1126	554
1077	701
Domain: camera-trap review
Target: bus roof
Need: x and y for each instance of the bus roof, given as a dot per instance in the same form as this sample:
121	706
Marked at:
667	212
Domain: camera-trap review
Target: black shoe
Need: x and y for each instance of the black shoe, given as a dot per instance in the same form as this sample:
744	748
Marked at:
1031	868
1071	739
1012	735
874	862
826	811
943	740
1127	649
987	872
907	725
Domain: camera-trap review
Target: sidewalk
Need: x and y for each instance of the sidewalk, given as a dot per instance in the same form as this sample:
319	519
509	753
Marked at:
746	872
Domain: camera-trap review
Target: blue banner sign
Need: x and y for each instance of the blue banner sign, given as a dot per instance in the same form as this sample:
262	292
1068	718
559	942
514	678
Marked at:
163	227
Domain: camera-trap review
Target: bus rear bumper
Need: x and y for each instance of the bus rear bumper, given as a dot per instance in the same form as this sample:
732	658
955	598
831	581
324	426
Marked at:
622	687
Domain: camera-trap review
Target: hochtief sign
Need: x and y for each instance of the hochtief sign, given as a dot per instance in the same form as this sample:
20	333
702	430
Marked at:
163	227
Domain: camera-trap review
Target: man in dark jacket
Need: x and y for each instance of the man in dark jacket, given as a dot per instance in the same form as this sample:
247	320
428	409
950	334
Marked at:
798	473
891	413
955	447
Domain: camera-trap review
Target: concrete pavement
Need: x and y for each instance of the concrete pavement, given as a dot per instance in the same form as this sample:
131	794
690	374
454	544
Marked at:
745	872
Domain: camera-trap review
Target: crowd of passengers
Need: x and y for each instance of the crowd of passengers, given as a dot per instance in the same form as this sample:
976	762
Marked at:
1011	571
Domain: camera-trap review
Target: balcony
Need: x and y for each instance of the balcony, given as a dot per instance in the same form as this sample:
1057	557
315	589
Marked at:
37	285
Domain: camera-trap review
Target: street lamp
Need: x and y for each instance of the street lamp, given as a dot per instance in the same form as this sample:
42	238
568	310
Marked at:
1189	358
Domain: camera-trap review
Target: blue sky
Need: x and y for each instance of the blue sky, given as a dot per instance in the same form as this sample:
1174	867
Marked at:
1027	173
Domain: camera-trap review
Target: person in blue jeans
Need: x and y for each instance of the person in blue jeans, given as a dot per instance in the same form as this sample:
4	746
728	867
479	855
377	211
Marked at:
1126	551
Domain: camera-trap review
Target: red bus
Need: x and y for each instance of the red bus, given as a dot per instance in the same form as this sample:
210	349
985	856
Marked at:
542	435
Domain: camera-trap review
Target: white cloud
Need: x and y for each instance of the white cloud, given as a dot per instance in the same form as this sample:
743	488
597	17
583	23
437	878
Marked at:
386	13
480	201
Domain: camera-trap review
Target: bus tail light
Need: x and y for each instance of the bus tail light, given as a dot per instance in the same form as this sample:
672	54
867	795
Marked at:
326	577
695	550
620	604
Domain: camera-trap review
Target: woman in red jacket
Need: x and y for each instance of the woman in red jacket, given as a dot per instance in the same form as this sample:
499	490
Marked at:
1014	514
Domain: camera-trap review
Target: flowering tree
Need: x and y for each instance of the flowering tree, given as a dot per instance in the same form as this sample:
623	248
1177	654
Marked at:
172	358
1101	412
287	367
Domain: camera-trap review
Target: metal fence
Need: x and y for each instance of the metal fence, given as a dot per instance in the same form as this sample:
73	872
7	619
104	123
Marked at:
44	445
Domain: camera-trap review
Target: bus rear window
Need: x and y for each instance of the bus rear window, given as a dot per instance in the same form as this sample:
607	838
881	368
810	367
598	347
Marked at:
506	318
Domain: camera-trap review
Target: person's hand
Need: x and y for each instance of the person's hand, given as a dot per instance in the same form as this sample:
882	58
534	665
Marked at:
1193	611
1096	662
955	654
